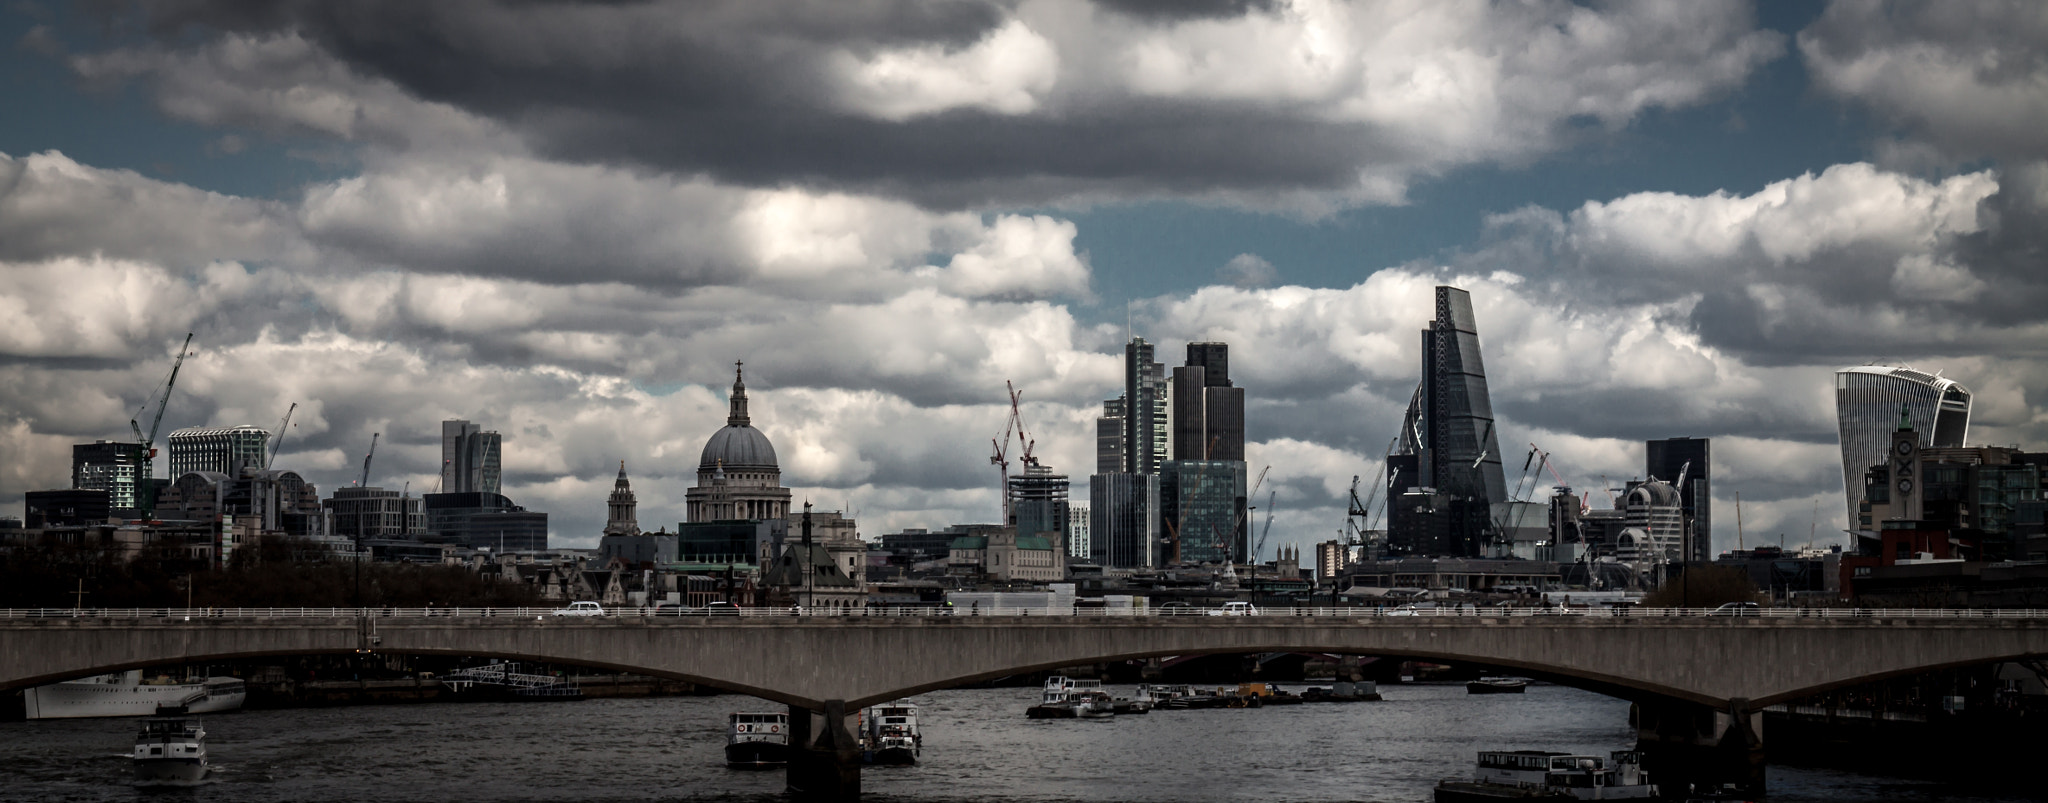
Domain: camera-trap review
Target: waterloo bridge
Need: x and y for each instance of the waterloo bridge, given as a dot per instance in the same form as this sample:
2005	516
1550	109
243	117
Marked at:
1699	680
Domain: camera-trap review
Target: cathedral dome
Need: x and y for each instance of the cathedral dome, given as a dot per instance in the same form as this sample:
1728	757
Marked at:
738	444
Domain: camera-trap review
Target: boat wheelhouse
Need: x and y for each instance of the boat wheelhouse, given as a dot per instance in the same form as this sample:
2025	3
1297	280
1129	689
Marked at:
756	740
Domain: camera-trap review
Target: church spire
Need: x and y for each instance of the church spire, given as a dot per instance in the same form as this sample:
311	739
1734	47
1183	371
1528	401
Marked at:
622	509
738	418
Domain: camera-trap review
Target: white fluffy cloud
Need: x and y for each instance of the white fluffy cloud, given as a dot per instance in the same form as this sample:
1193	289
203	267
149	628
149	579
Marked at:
1006	72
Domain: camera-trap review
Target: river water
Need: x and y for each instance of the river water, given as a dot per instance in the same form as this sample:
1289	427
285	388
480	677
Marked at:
978	747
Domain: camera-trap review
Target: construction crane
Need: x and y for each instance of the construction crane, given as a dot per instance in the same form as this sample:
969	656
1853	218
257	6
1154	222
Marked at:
145	490
277	443
1266	530
365	481
162	397
1001	458
1261	481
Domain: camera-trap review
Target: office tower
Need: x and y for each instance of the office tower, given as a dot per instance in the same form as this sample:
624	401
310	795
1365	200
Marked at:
1208	412
1332	558
1146	438
1109	437
1038	502
1079	545
1124	520
1203	511
226	450
1867	402
1446	474
470	458
372	512
121	470
1693	457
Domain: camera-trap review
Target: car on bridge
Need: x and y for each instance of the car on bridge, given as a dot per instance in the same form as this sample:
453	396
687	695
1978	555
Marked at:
1738	609
1236	609
581	609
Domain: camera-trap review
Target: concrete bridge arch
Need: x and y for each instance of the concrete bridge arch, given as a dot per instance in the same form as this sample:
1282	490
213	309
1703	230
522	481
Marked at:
807	661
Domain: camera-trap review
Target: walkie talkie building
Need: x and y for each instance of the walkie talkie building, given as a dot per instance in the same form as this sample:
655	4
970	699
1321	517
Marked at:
1867	402
1446	475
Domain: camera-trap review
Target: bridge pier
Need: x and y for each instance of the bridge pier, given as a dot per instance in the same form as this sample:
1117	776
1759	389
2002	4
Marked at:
1687	746
824	756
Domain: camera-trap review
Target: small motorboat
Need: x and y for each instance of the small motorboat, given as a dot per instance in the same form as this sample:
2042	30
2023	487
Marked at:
889	734
1496	686
170	751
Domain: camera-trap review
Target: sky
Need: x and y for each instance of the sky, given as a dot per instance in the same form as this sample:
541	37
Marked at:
567	221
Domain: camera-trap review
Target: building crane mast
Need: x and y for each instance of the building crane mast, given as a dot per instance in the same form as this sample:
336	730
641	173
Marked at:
1221	537
277	443
1267	530
365	481
163	400
145	486
1001	458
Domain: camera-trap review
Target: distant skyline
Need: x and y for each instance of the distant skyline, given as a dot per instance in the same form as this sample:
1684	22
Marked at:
564	223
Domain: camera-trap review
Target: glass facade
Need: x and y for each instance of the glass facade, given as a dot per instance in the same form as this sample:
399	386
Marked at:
1123	520
471	459
1204	507
1868	399
1447	444
119	469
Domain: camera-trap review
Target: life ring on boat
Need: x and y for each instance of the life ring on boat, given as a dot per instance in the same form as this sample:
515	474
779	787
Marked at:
774	728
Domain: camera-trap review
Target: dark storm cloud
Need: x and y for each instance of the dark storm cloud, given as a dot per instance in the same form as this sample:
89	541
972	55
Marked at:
1970	78
969	104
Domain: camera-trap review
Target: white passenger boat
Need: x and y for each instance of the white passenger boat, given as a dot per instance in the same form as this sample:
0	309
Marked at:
756	740
889	734
170	751
1068	698
1536	775
128	694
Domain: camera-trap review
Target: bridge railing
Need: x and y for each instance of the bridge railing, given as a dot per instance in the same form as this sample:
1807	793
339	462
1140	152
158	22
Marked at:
1218	616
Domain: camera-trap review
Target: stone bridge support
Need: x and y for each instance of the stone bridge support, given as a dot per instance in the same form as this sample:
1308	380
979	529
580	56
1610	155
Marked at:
824	754
1688	746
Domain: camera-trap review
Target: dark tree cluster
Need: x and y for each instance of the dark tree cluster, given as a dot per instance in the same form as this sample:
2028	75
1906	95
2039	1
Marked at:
1704	587
269	573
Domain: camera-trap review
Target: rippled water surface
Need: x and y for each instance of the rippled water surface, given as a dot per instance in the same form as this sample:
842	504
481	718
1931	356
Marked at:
978	747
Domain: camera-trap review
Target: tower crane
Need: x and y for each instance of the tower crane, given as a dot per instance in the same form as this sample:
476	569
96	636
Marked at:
145	489
1261	546
1001	458
365	481
277	443
162	397
1268	528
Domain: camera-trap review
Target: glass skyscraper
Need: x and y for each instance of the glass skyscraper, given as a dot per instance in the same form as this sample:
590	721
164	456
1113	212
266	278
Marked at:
1447	443
1867	403
470	459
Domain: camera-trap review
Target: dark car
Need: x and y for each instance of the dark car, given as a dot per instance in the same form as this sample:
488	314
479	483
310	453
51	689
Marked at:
1738	609
1178	609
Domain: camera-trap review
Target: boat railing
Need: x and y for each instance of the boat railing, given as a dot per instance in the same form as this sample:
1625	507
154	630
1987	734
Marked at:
1388	615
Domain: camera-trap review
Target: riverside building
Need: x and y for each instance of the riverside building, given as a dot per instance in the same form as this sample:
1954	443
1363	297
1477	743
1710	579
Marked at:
1867	403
